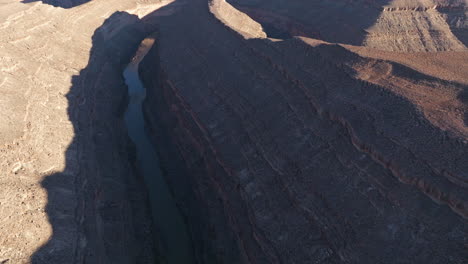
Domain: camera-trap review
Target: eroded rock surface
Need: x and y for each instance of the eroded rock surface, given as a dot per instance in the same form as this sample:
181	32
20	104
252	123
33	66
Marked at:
289	131
392	25
299	151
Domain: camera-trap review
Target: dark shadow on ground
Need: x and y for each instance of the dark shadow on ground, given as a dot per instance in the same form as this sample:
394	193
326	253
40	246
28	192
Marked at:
456	17
463	97
97	206
60	3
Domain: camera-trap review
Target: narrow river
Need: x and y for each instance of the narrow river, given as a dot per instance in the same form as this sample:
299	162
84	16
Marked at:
170	226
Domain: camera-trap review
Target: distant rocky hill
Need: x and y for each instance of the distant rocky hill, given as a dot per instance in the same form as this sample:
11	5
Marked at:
386	25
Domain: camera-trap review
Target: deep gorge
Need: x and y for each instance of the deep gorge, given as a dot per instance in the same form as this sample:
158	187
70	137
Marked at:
196	131
168	221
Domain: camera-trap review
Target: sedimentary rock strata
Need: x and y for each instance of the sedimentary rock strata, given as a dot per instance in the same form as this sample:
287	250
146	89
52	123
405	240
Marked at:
289	131
385	25
299	151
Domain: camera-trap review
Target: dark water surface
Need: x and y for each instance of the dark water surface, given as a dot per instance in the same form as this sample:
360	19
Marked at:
170	226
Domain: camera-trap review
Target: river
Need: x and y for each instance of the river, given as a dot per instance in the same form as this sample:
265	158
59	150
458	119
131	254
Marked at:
170	226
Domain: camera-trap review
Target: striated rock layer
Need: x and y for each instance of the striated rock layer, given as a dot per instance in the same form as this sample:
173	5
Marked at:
299	151
392	25
413	29
343	145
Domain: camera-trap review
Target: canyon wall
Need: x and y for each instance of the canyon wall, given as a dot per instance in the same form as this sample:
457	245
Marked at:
295	152
109	199
416	28
277	148
403	26
457	19
70	190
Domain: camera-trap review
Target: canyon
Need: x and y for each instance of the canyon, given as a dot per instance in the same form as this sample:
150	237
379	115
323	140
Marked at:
331	131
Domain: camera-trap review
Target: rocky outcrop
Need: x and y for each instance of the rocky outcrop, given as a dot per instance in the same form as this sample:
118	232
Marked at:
333	21
456	17
403	26
287	155
412	29
236	20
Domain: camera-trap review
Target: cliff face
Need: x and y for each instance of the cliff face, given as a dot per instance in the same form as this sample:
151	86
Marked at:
109	200
432	25
295	152
457	18
417	28
278	148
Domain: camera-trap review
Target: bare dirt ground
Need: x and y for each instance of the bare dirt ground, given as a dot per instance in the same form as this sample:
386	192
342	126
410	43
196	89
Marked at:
41	48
